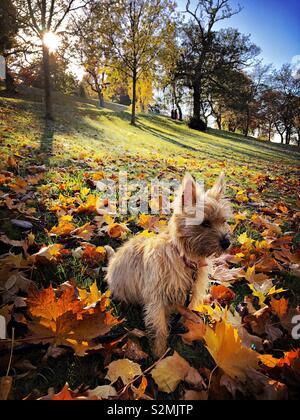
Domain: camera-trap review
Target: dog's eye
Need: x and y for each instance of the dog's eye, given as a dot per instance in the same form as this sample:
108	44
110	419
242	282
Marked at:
206	224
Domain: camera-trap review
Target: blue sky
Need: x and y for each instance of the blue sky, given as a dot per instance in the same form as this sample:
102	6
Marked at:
274	26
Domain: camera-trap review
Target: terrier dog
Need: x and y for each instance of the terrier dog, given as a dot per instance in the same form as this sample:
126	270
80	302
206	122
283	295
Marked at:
160	272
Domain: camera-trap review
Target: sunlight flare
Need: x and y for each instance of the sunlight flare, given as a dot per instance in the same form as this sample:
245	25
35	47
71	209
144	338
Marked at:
51	41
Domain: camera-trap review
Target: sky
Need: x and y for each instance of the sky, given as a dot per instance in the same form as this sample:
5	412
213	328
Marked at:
274	26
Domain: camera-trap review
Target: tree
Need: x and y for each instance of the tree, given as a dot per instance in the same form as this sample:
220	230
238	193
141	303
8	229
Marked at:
8	31
287	104
39	17
207	53
62	79
135	38
257	85
167	79
89	44
268	112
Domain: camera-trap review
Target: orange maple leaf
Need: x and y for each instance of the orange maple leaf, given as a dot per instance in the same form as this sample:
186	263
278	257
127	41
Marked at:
280	306
63	320
222	294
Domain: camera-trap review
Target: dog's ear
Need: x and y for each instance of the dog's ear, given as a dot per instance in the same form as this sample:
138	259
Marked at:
187	195
218	190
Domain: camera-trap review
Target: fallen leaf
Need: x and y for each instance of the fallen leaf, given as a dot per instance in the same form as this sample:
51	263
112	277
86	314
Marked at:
222	294
117	230
226	348
124	369
103	392
280	307
169	372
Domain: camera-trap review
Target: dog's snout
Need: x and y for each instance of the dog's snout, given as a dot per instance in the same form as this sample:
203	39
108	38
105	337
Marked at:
225	243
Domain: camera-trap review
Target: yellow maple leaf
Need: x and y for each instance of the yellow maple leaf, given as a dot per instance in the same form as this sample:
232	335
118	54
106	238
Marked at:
225	346
168	373
50	252
124	369
94	296
262	296
147	234
90	206
84	192
242	197
275	291
245	240
64	227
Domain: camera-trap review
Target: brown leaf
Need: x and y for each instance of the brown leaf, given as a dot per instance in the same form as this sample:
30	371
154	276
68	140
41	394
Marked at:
133	351
195	396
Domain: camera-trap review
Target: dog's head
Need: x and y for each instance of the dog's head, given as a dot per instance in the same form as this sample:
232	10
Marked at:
199	225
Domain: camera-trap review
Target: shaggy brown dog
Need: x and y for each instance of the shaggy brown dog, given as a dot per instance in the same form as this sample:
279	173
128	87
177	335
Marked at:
160	272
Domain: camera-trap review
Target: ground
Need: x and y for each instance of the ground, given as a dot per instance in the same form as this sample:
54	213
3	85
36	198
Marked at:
47	179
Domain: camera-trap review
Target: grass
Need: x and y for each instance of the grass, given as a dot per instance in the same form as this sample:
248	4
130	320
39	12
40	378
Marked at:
85	139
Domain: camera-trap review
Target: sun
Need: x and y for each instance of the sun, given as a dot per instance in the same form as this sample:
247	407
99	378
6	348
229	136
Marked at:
51	41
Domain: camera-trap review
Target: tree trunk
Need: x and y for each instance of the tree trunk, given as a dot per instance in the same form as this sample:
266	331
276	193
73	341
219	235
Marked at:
247	124
101	98
219	121
288	136
9	81
133	112
47	84
270	132
177	103
180	113
197	102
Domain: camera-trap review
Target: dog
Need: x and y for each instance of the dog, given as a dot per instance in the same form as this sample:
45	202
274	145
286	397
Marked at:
161	272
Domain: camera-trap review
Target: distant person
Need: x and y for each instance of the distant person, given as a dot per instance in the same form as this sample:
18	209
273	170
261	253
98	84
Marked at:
176	115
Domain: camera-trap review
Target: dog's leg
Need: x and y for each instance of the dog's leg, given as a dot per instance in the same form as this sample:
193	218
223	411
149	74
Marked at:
200	288
156	320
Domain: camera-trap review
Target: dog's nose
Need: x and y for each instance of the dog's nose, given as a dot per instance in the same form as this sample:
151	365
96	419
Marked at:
225	243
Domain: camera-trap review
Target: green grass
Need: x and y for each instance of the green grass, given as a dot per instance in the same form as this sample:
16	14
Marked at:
81	126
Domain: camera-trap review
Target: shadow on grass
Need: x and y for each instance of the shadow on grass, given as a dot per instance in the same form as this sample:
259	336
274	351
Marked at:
161	135
46	143
261	144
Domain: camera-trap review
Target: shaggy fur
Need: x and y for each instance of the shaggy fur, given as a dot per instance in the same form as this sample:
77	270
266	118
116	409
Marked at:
158	272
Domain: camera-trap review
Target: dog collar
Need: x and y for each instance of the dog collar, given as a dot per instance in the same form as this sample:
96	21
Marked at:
192	265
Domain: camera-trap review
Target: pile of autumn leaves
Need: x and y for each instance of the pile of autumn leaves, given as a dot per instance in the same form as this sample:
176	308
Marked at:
240	338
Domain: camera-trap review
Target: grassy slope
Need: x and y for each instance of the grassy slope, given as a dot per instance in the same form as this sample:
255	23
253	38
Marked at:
86	139
81	125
